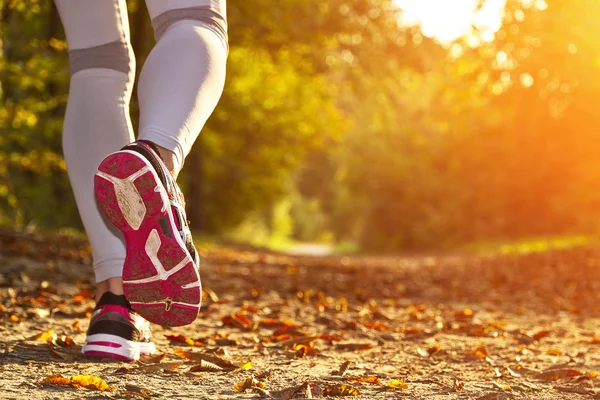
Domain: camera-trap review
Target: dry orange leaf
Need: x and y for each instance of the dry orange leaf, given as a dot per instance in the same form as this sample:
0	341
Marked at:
458	385
153	359
57	379
413	331
377	326
330	338
211	358
75	326
48	336
250	383
87	381
91	382
365	379
556	374
467	312
270	322
238	320
304	350
540	335
343	368
353	346
285	329
595	340
479	353
340	390
281	338
478	331
397	384
188	341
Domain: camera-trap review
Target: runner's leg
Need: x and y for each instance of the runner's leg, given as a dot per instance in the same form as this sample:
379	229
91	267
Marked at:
183	77
97	118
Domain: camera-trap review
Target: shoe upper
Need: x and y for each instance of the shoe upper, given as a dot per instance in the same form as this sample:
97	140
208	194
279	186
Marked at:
113	316
150	151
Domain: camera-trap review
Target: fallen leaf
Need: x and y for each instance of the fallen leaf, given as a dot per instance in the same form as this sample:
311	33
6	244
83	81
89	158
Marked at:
353	346
458	385
365	379
397	384
186	340
426	353
330	338
250	383
91	382
343	368
172	366
153	359
57	379
305	391
304	350
139	392
378	326
556	374
238	320
83	296
554	352
247	365
340	390
466	313
504	388
226	342
48	336
422	352
541	334
479	353
63	341
87	381
211	358
205	366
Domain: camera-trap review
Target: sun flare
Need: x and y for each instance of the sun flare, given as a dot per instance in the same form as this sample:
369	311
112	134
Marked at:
447	21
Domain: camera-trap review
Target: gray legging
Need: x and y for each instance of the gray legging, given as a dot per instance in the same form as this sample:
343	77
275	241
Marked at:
179	87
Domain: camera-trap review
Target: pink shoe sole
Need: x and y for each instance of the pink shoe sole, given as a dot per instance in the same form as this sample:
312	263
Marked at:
159	277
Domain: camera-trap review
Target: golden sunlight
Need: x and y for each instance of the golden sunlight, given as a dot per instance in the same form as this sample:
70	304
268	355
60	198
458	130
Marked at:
447	21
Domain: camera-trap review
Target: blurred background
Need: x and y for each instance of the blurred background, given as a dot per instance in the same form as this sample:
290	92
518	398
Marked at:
380	126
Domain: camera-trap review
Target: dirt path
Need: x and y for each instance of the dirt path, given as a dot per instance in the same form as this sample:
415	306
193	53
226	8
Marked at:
522	327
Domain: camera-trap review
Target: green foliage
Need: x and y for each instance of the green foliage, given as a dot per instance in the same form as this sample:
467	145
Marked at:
33	183
336	119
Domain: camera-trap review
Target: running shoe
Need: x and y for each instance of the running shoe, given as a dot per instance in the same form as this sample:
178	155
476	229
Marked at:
138	194
116	331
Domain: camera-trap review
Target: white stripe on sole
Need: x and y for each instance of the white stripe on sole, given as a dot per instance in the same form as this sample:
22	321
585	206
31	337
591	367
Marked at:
123	347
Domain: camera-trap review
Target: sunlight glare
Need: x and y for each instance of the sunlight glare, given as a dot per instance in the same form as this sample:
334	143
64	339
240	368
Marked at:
446	21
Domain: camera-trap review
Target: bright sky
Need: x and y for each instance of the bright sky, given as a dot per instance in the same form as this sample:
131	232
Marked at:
447	20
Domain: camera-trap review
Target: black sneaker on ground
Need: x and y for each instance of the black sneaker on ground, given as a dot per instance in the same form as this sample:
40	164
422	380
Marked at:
116	331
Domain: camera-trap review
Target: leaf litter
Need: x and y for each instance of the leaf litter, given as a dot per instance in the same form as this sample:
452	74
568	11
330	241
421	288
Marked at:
317	326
